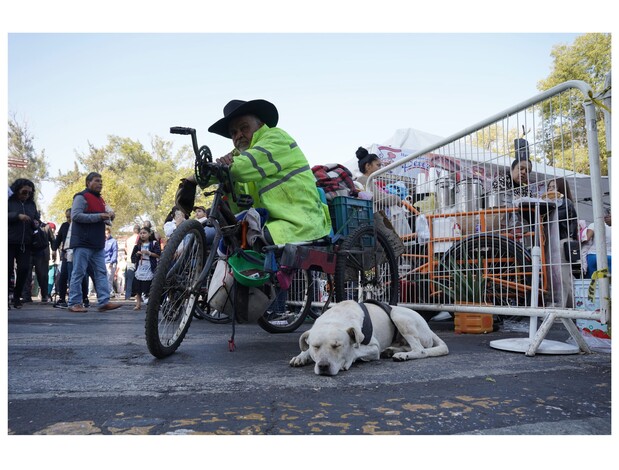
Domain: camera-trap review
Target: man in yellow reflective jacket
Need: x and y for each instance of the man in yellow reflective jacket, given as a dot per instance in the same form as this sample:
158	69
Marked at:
267	164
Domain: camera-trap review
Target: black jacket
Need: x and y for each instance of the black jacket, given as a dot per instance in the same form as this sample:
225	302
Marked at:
61	237
568	220
20	232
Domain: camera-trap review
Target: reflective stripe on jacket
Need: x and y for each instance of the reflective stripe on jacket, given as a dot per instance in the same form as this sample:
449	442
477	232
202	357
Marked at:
275	172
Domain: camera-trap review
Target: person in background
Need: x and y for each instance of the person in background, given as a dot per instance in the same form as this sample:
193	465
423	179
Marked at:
200	213
516	183
592	263
119	275
369	163
145	255
69	263
89	214
508	187
568	231
130	272
392	204
59	246
22	213
111	258
173	220
39	260
154	235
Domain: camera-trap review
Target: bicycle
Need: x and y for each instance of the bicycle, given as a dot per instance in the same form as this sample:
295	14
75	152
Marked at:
359	266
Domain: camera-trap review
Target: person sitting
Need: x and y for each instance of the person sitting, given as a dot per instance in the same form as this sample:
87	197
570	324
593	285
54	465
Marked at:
592	264
508	187
370	163
268	165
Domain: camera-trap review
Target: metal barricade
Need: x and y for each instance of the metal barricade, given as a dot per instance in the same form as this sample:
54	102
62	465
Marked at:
507	240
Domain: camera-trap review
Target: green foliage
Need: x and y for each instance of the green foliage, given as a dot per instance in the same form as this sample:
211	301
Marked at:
21	147
587	59
138	184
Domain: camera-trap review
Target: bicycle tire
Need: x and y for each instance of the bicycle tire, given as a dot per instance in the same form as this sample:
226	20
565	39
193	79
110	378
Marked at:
298	302
366	267
171	301
507	269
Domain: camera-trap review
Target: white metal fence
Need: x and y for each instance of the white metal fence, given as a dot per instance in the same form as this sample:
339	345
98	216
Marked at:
493	217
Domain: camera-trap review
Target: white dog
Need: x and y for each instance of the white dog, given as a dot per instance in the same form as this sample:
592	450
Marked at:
344	334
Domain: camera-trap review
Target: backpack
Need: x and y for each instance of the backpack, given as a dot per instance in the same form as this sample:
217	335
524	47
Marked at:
40	238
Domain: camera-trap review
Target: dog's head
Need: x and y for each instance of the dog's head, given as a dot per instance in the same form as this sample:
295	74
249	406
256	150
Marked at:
331	348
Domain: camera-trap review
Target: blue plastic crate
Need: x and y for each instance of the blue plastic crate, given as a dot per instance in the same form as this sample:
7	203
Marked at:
350	213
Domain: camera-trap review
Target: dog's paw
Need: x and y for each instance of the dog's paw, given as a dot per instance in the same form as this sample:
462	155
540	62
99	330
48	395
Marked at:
387	353
298	361
401	357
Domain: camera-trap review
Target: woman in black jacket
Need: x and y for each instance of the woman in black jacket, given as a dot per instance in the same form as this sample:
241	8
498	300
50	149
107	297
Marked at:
22	213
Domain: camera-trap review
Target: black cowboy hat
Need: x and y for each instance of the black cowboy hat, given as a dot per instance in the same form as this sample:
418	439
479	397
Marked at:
265	111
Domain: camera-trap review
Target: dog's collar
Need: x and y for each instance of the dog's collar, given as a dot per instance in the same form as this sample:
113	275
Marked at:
367	329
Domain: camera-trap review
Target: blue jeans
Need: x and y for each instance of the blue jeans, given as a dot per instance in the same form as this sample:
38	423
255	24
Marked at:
82	258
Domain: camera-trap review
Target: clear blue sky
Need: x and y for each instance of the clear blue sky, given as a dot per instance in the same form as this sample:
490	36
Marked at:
334	92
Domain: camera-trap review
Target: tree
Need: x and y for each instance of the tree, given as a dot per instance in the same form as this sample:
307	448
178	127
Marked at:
138	184
21	148
587	59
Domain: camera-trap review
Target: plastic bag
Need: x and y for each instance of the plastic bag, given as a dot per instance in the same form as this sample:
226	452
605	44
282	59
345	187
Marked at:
220	288
399	220
423	229
220	294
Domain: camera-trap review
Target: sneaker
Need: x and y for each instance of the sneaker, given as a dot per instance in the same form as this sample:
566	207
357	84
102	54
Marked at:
60	304
17	304
77	309
86	303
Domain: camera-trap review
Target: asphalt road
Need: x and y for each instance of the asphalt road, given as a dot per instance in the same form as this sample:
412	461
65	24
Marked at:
92	374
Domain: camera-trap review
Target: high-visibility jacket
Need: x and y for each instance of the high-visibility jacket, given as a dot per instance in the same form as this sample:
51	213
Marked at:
275	172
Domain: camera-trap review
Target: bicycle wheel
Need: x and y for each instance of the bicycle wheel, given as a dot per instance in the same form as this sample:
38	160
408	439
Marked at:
491	269
171	299
291	306
366	267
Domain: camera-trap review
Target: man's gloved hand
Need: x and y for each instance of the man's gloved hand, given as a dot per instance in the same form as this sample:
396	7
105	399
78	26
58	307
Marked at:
186	194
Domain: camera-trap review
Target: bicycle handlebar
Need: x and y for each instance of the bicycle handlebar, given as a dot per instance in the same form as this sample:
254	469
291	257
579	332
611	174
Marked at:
182	130
204	167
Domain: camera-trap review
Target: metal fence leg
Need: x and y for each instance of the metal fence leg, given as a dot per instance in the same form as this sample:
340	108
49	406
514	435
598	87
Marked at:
571	327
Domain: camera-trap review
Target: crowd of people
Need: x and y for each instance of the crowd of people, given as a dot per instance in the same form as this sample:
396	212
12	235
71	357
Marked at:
83	252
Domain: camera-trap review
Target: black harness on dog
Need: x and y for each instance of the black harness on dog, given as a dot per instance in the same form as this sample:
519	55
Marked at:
367	329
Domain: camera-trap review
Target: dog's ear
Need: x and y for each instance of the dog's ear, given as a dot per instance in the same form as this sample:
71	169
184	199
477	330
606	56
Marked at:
303	344
355	336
